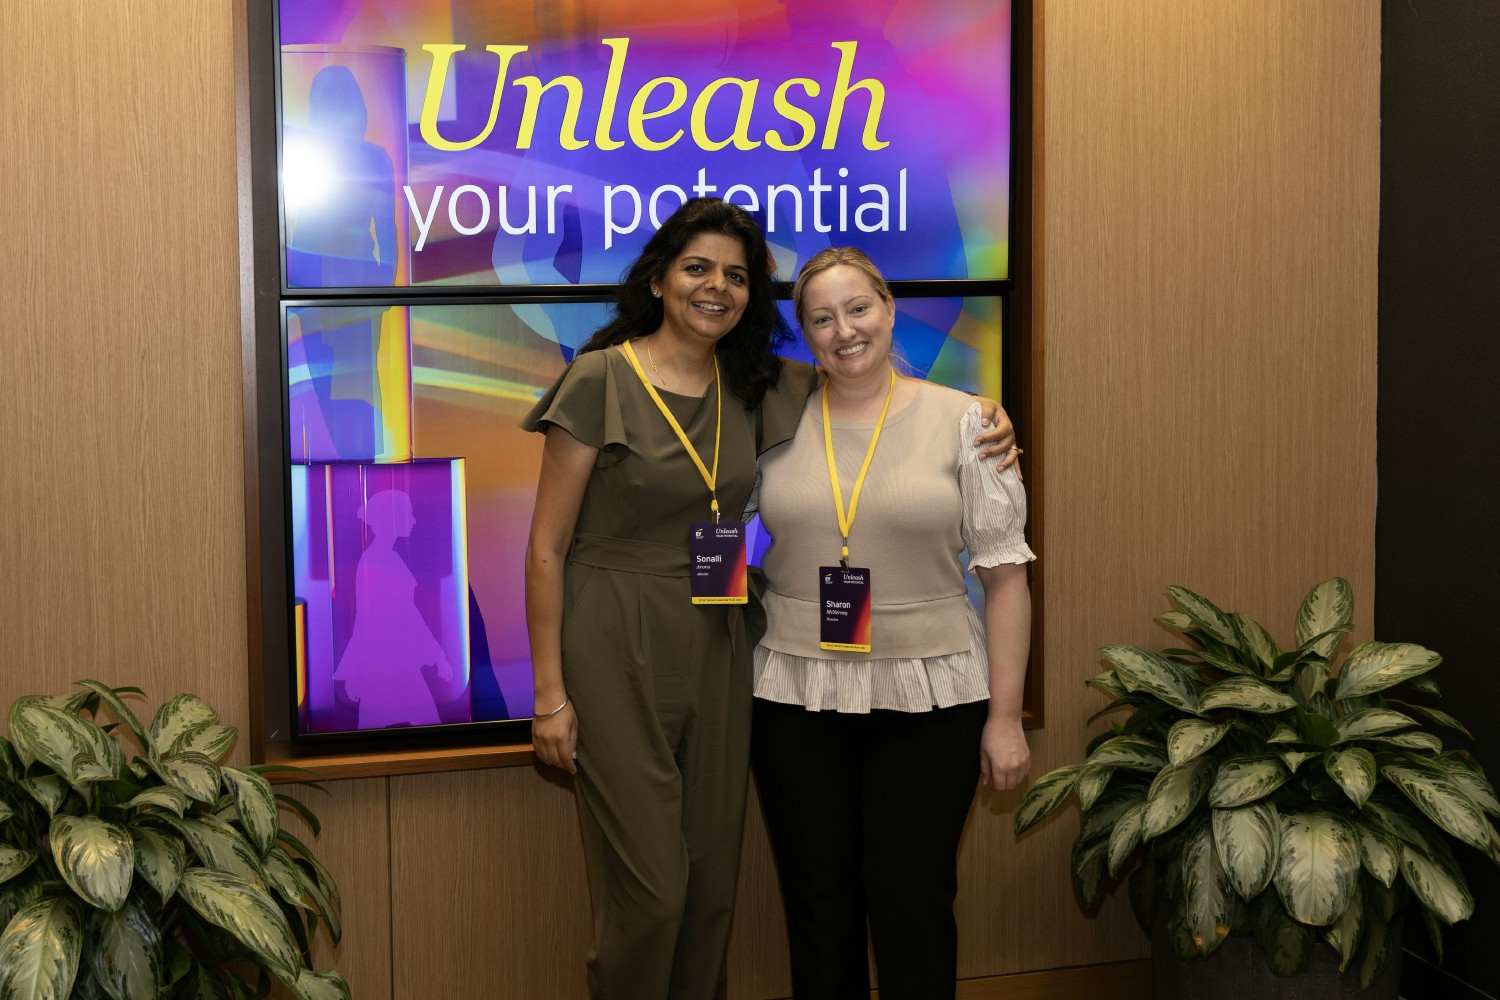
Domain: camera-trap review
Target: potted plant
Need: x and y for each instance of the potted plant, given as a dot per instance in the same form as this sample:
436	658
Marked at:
1256	791
161	874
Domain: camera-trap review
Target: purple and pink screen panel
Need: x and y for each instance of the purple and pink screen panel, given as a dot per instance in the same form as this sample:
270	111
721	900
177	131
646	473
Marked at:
414	155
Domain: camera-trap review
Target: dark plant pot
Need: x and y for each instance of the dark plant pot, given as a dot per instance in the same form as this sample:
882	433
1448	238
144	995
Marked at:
1238	970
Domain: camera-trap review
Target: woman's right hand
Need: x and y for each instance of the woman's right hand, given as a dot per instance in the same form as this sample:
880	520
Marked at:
556	739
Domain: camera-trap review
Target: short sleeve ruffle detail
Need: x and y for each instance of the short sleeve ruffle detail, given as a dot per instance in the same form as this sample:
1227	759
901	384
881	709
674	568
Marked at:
994	519
585	402
781	407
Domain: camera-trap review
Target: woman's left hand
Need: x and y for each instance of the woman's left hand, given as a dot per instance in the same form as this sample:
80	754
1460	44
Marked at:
1004	757
1000	440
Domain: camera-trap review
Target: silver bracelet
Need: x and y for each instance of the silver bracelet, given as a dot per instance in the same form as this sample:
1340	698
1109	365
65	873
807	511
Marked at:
548	715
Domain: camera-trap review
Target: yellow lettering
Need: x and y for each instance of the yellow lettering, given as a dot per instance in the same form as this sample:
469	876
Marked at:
617	49
639	114
442	55
842	88
794	114
742	122
567	132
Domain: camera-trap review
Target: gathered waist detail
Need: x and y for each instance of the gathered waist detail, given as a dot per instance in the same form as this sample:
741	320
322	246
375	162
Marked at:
629	555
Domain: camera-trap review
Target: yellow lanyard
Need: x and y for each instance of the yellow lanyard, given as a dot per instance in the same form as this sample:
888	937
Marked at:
833	470
709	478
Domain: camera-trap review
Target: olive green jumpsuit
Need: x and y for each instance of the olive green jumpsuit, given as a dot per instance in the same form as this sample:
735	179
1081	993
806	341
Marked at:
661	686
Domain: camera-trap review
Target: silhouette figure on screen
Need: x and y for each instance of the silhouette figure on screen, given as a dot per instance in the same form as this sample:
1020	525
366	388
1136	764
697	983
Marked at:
382	666
340	191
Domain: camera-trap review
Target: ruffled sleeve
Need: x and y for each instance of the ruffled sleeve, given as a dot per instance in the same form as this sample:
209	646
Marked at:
994	518
781	407
585	402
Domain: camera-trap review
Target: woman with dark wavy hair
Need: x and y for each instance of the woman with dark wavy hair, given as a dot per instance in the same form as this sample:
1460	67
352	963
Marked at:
642	683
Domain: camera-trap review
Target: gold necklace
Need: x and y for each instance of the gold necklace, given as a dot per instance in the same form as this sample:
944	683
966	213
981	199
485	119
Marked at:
657	371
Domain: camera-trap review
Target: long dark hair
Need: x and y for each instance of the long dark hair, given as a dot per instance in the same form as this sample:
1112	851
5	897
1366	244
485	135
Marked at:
747	354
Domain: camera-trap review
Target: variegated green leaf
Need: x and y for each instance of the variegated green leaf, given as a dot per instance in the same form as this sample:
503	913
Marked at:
326	907
1247	694
177	717
1092	781
1327	643
191	773
256	804
1136	753
1190	738
121	710
1442	801
1327	606
85	986
1371	722
14	861
161	859
1284	942
1434	716
1176	621
1248	840
1045	796
1283	733
164	797
1101	818
1414	739
1174	794
125	952
1108	683
95	858
1310	679
1354	770
200	984
220	846
1435	879
1204	614
1475	788
1344	933
48	789
40	949
212	741
1229	664
327	985
76	750
246	912
1319	866
1088	870
6	812
1380	948
1376	666
1125	836
1143	670
305	856
1255	640
1293	759
1245	778
283	875
1206	893
1379	851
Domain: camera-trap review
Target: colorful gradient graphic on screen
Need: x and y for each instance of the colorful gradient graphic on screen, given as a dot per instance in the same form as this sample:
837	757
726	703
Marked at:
409	572
491	142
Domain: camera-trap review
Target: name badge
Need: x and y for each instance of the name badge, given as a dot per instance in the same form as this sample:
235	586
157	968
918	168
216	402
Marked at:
844	597
716	562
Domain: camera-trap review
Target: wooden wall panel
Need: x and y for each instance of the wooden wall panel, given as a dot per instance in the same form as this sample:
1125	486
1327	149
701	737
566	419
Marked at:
355	847
121	521
1205	236
487	886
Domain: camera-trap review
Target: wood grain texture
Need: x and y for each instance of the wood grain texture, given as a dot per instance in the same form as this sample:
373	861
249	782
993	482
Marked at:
355	848
121	539
487	886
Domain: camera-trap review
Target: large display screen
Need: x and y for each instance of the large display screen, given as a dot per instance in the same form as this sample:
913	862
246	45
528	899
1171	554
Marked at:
438	143
412	487
459	183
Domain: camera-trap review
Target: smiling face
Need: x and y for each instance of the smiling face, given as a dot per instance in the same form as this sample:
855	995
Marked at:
705	290
847	323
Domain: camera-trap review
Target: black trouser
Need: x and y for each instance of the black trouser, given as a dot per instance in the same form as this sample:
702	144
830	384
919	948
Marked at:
865	814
